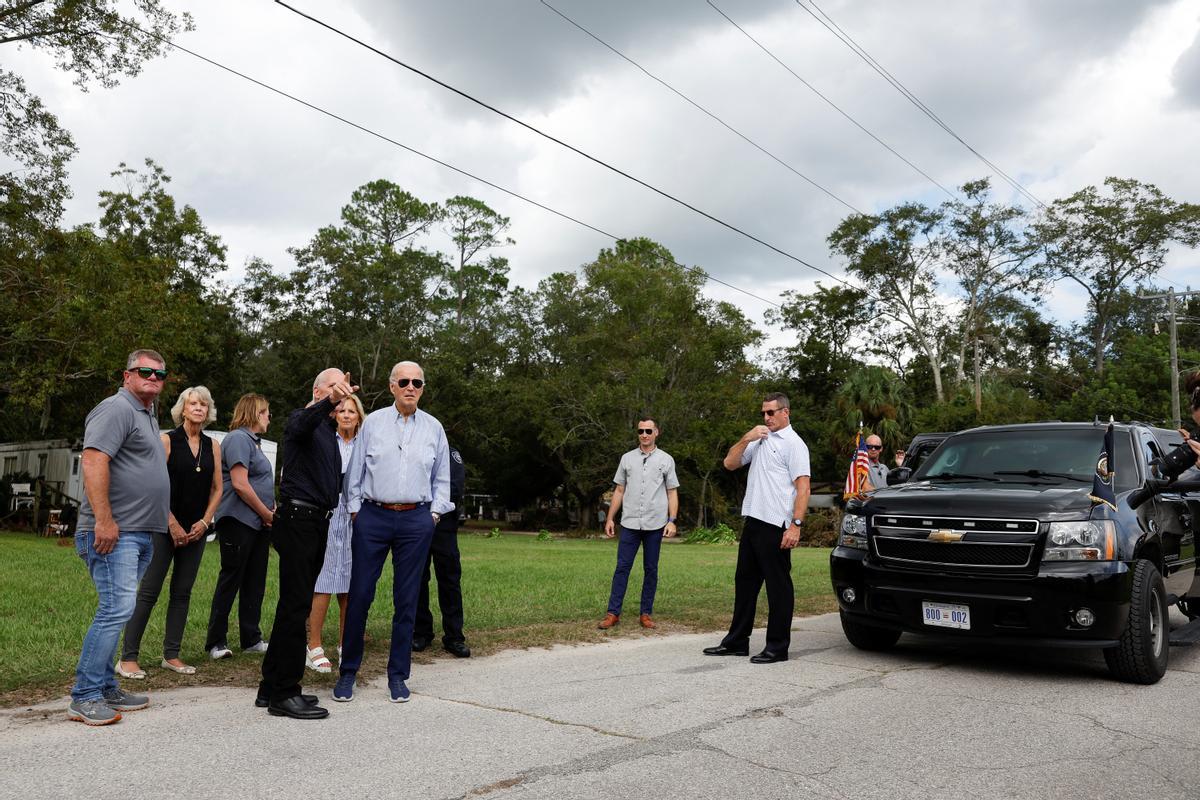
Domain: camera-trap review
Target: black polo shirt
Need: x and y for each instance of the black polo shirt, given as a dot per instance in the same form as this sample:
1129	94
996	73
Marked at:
312	464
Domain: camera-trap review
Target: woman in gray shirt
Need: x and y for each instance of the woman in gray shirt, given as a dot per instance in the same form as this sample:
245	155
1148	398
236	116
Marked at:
244	520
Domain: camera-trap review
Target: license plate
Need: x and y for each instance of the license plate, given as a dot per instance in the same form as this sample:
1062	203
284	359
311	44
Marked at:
946	615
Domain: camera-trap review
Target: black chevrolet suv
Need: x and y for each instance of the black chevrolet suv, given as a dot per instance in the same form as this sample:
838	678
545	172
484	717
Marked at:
994	538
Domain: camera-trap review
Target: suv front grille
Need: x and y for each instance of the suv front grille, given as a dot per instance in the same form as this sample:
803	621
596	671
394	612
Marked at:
985	544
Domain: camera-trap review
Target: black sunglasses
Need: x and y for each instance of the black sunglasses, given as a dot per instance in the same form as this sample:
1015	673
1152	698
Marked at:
646	431
874	447
770	412
403	382
149	372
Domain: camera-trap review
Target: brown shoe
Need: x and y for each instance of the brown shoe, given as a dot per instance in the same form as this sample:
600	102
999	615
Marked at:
608	621
647	622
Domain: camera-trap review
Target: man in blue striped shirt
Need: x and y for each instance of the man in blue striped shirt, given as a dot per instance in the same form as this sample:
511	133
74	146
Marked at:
397	487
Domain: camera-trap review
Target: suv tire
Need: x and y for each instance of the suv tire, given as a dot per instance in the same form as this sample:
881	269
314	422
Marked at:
1141	656
868	637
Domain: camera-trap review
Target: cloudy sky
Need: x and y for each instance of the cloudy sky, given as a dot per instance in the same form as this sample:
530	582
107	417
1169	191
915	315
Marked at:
1058	93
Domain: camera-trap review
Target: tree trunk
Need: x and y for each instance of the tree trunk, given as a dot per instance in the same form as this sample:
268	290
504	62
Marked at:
937	377
978	380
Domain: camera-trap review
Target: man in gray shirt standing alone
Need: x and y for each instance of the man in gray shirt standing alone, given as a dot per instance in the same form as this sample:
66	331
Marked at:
648	491
127	497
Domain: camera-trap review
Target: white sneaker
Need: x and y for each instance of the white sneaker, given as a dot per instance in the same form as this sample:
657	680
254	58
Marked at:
261	647
219	652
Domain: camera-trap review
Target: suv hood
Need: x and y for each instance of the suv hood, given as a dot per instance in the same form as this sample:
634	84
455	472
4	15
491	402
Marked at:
993	500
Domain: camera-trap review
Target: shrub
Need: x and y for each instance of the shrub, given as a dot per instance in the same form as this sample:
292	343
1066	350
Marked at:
545	536
718	534
821	527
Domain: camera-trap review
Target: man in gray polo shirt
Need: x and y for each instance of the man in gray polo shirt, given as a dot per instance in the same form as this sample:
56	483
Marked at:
877	470
127	496
648	491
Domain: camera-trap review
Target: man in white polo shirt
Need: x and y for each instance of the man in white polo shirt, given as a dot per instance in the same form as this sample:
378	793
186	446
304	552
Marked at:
647	494
776	501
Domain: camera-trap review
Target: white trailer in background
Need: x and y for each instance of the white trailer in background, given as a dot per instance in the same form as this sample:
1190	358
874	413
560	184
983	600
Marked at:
58	462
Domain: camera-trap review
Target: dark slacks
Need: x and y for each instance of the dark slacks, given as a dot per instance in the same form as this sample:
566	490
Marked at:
444	557
299	537
244	556
377	532
627	548
761	559
186	561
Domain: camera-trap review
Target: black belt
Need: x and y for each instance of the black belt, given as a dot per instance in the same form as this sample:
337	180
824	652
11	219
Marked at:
306	508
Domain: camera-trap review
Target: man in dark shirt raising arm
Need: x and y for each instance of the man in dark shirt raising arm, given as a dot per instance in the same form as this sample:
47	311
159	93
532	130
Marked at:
309	486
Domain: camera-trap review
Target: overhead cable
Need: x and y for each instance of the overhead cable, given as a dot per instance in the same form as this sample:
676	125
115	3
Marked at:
861	52
832	104
439	162
704	110
572	148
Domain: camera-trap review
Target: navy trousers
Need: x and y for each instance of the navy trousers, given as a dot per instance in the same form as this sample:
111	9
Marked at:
627	547
377	532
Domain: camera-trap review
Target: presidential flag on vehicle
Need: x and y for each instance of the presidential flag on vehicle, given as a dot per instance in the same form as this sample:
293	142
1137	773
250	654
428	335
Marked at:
1102	481
858	481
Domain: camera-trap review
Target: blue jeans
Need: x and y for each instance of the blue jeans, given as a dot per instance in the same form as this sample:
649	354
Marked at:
116	576
627	548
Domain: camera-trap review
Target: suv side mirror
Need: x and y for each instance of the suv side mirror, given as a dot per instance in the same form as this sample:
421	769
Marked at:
898	475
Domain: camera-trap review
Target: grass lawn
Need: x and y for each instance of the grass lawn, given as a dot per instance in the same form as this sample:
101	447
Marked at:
518	592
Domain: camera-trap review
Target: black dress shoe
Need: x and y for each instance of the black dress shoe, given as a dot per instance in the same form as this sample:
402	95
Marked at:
297	708
722	650
457	649
768	658
420	643
262	701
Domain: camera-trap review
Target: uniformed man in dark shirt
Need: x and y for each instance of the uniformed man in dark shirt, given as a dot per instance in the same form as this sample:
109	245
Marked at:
443	554
309	486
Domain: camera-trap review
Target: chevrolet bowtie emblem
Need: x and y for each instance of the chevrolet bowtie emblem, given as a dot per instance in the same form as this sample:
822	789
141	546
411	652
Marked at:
945	536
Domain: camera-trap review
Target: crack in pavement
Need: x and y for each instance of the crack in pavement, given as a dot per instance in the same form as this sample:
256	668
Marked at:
668	744
539	717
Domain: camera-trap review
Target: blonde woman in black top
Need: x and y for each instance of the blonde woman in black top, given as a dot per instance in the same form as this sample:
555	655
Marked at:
195	492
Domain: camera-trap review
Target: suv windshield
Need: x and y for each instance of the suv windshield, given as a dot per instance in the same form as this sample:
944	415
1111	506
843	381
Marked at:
1037	457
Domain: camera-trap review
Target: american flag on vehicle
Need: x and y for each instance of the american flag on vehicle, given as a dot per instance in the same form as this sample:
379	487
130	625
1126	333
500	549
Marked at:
857	481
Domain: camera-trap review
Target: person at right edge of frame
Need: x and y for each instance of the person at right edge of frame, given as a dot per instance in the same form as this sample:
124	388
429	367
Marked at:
774	507
447	565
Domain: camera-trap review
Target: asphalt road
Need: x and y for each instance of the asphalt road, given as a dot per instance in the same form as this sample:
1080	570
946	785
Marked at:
653	718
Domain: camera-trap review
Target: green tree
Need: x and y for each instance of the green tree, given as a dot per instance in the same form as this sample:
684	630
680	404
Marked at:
994	264
1105	241
895	256
632	335
93	40
473	227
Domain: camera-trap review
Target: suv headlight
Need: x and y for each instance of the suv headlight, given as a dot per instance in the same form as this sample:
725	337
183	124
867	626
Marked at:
1084	540
854	532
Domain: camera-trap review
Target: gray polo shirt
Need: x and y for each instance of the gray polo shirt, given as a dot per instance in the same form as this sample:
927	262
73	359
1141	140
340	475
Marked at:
139	489
878	475
243	447
646	478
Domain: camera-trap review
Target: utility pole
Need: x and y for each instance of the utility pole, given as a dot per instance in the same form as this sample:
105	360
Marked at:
1170	297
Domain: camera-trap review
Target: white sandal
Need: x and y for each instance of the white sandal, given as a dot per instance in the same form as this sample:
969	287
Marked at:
186	669
317	661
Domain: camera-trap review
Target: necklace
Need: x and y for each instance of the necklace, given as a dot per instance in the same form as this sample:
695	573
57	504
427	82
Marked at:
199	452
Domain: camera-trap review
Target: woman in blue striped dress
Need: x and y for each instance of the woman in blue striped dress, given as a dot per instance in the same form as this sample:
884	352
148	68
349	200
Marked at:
335	572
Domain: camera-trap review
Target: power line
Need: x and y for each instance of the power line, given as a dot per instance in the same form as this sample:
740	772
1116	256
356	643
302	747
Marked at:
439	162
861	52
829	102
561	143
701	108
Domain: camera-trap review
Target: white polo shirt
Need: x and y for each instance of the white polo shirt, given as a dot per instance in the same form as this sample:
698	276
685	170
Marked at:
775	463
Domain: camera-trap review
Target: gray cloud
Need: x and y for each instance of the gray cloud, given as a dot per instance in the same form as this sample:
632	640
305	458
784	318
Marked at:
1185	77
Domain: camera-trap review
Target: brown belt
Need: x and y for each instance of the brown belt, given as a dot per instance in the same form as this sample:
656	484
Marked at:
396	506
